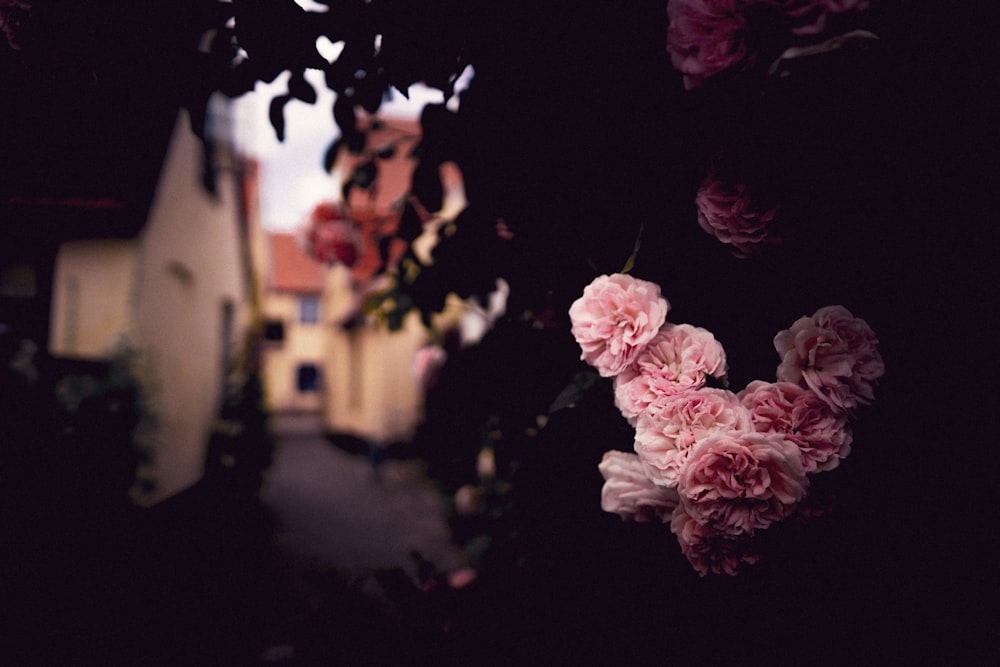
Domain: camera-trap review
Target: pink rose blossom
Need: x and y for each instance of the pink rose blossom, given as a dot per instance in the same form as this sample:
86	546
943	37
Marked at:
336	242
728	212
427	364
664	438
614	320
821	433
330	237
708	550
832	353
739	482
706	37
676	360
628	493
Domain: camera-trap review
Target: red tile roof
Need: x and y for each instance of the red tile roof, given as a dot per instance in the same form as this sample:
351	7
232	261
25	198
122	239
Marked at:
293	270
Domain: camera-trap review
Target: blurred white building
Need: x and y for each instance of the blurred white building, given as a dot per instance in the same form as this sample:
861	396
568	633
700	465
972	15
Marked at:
162	270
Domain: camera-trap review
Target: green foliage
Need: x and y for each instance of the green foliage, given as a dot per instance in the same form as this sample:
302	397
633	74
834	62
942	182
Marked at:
390	306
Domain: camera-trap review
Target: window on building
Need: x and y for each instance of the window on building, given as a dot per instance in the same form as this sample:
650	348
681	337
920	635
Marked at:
274	330
309	309
307	377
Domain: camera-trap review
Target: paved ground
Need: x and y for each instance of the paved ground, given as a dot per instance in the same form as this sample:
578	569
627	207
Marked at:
334	509
309	571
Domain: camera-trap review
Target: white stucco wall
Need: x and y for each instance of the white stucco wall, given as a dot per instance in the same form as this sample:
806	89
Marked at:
92	299
369	390
191	266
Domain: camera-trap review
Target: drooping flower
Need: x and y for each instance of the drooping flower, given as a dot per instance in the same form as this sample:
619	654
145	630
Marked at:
739	482
707	549
631	495
664	437
706	37
822	434
733	216
615	319
832	353
678	359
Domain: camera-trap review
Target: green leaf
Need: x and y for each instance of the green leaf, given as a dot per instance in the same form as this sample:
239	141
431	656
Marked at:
330	156
355	141
574	391
410	224
630	262
343	116
365	175
277	115
301	89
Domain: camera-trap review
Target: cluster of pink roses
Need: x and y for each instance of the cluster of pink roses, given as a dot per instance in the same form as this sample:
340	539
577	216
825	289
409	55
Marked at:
706	37
719	465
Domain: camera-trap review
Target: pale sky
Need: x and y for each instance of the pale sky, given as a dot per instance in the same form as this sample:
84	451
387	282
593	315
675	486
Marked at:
293	180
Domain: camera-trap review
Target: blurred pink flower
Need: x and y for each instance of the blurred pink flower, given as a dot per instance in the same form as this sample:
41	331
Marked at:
14	14
468	500
832	353
728	212
706	37
504	231
664	437
486	463
427	364
676	360
614	320
739	482
822	434
631	495
708	550
462	577
330	237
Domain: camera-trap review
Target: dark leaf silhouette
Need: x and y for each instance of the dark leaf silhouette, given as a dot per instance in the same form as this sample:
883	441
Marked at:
301	89
330	156
277	115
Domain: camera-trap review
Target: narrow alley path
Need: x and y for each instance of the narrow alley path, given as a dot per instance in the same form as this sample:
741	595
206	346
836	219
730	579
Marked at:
337	525
300	573
332	509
